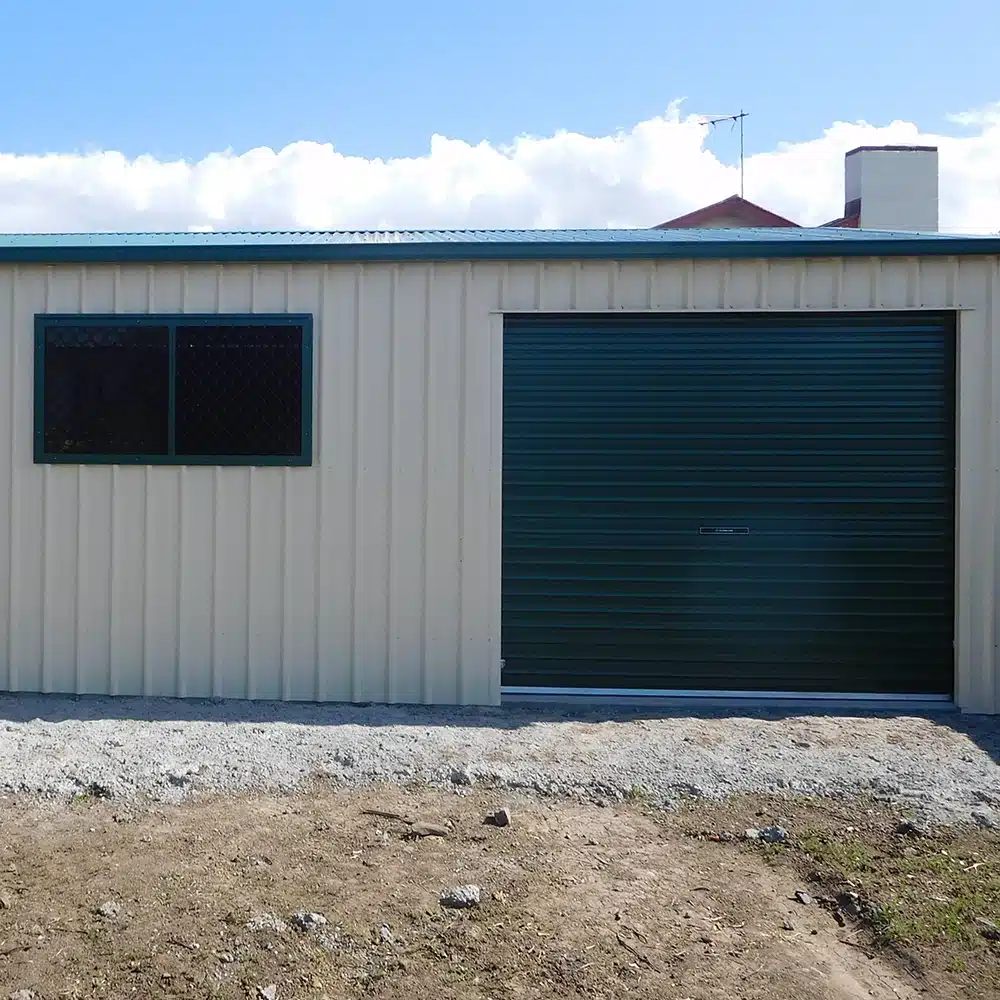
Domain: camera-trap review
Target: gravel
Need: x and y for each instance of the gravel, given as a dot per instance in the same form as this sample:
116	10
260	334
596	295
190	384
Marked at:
267	921
940	768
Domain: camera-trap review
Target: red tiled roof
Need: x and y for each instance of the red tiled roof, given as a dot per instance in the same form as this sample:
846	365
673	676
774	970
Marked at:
847	222
733	207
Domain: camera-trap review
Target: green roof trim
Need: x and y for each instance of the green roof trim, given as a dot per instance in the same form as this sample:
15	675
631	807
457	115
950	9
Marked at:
480	244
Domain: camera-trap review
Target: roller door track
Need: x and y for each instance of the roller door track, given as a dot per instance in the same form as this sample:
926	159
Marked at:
736	503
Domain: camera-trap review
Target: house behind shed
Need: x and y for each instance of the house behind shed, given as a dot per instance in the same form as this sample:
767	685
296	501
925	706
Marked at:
439	466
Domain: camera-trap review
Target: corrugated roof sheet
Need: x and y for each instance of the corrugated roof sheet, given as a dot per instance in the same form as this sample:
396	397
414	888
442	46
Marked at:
481	244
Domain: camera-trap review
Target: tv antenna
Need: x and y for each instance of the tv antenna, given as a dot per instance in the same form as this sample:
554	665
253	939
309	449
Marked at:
714	120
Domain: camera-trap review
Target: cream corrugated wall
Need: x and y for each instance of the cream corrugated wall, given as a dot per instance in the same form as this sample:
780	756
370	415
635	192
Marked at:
374	575
364	577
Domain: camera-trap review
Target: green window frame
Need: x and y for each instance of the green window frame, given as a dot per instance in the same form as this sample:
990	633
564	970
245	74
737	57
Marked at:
158	325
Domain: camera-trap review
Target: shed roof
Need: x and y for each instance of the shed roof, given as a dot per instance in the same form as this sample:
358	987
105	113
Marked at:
480	244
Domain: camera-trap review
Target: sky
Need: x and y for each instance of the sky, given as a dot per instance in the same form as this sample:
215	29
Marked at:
243	114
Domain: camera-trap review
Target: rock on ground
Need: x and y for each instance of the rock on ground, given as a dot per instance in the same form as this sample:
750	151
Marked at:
913	828
774	835
423	828
305	921
988	929
985	818
768	835
461	897
501	817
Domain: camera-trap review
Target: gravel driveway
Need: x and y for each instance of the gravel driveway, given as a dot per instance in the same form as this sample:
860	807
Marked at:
943	768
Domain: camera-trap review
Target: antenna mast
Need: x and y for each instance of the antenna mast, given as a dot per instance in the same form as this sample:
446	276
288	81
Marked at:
714	120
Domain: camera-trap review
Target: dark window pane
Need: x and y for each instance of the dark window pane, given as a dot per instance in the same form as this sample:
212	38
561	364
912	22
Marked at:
106	390
239	390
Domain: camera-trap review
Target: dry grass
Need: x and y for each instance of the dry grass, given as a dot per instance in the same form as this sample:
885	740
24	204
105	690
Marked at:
927	903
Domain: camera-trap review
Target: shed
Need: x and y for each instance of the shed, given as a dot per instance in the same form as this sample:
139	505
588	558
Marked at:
443	466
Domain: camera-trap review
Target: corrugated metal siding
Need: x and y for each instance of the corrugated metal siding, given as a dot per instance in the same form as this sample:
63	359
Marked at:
375	573
758	502
363	577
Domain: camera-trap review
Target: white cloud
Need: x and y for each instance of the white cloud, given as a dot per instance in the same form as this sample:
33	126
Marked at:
637	177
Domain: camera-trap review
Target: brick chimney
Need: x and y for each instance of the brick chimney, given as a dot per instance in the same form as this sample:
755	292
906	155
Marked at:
892	188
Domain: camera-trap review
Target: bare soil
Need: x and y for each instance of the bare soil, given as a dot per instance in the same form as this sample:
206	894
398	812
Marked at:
577	901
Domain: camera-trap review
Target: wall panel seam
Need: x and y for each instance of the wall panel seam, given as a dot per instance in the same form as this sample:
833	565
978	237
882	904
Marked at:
389	679
425	687
355	480
463	377
11	668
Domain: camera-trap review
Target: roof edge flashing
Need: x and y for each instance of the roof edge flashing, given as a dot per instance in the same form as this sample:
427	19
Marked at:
494	245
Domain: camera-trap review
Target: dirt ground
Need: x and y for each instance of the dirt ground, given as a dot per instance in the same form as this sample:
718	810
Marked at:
98	900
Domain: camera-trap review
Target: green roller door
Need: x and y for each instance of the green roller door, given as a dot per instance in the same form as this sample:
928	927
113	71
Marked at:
754	502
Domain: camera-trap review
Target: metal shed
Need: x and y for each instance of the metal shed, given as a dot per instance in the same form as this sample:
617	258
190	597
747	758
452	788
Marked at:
378	466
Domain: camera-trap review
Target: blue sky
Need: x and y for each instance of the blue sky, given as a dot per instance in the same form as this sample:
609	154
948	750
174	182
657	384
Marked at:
185	78
243	113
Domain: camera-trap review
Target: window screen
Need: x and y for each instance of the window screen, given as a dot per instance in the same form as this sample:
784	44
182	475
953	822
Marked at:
173	390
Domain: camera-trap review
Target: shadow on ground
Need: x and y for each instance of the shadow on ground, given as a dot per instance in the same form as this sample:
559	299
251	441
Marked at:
983	730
